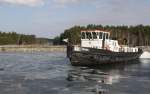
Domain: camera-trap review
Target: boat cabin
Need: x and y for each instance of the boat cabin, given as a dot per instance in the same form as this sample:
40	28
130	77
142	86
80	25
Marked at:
98	39
101	40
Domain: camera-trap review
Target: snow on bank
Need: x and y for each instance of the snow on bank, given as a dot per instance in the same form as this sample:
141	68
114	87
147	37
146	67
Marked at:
145	55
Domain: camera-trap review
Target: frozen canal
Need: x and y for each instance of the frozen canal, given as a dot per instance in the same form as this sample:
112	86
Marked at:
51	73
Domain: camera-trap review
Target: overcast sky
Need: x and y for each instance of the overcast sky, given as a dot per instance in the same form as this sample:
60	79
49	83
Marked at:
48	18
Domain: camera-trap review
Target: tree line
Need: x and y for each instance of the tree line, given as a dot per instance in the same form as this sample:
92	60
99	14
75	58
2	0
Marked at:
13	38
138	35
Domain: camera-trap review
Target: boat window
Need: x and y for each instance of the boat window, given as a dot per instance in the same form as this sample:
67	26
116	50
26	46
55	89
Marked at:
100	35
83	35
94	35
88	34
106	35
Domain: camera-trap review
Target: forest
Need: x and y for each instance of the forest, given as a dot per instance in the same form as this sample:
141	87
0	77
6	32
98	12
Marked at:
138	35
13	38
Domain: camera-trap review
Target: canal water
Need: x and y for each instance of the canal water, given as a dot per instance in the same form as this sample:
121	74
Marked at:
51	73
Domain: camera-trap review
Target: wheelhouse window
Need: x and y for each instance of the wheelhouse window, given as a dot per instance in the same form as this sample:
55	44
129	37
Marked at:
88	35
83	35
107	36
100	35
104	35
94	35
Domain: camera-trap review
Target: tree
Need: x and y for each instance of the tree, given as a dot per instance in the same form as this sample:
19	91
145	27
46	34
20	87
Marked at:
129	35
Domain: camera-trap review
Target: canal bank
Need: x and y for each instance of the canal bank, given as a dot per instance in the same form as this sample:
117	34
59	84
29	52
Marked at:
32	48
44	48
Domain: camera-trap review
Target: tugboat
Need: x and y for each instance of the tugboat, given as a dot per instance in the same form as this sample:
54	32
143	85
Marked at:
97	48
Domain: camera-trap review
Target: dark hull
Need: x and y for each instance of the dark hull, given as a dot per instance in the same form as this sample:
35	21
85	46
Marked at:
98	57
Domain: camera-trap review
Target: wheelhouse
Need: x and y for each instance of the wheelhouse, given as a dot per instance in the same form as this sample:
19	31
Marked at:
94	38
94	35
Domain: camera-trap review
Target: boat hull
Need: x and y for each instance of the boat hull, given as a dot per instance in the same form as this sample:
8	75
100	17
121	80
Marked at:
98	57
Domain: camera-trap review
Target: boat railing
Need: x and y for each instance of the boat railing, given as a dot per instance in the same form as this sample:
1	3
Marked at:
121	49
128	49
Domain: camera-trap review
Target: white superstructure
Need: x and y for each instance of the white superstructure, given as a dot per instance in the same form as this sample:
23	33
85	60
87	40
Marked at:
101	40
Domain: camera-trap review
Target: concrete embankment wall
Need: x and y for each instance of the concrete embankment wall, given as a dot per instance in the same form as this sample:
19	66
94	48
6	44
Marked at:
32	48
145	48
44	48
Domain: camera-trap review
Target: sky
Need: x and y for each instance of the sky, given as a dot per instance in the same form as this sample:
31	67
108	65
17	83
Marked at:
49	18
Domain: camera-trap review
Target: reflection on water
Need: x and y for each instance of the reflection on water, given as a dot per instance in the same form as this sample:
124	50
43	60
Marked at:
87	74
51	73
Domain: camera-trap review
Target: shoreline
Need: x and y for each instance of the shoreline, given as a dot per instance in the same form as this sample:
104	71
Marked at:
45	48
32	48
